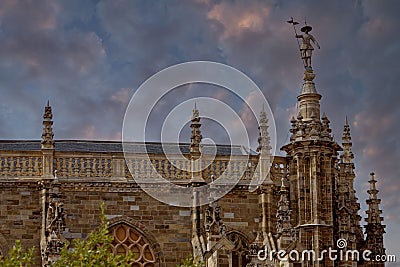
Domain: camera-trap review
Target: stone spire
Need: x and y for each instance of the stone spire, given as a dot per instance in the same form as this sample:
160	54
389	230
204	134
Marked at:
284	226
195	150
195	139
264	147
47	143
374	227
264	141
47	135
347	156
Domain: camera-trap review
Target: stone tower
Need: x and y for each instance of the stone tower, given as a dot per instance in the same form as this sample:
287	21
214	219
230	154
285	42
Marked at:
312	154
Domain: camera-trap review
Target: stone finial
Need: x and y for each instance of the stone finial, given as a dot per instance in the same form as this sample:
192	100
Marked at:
347	156
373	193
264	140
196	137
374	227
284	226
47	135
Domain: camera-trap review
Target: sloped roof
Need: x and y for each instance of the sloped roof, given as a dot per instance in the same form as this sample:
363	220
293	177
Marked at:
116	146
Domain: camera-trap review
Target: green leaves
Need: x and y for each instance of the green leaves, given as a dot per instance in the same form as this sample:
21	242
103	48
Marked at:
191	262
17	257
96	250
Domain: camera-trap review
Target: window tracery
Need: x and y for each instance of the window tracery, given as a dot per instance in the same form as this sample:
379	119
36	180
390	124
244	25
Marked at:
238	254
127	238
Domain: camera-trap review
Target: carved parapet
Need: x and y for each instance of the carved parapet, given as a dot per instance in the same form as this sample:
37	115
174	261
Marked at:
21	164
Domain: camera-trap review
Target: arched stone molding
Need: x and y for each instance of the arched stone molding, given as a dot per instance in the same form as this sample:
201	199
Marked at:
140	239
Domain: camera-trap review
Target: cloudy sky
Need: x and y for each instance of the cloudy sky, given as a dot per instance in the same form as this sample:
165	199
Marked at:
89	57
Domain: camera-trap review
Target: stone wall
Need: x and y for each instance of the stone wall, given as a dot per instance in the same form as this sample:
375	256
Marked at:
20	215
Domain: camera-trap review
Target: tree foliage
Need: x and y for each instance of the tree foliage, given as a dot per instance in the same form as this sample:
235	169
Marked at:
17	257
191	262
94	251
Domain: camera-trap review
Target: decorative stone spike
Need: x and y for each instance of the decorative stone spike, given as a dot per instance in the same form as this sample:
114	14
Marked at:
284	227
47	135
264	141
47	143
374	227
347	156
195	139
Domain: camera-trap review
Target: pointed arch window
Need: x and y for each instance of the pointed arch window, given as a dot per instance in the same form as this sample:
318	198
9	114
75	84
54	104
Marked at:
127	238
238	254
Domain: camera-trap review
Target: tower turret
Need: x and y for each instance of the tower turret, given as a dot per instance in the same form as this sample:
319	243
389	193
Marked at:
312	155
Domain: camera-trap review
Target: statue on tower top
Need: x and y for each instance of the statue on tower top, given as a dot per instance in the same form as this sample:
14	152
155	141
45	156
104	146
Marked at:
305	48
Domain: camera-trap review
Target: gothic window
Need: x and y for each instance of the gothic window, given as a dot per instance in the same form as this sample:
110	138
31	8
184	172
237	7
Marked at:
126	238
238	254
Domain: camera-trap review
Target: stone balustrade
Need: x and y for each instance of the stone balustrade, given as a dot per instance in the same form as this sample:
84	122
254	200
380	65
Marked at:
108	165
20	165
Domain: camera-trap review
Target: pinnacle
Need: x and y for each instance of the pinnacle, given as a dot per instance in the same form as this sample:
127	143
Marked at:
195	114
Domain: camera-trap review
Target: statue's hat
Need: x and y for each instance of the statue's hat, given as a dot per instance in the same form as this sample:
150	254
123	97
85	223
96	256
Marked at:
306	28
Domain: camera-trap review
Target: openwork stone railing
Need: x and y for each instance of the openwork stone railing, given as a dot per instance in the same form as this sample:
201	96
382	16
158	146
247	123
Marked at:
83	166
18	165
177	169
109	165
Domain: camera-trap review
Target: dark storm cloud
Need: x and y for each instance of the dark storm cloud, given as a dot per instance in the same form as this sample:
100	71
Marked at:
89	57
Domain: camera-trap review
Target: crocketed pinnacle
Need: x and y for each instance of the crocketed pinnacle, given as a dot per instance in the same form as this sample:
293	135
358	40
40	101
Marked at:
347	156
374	227
283	214
196	137
47	135
264	140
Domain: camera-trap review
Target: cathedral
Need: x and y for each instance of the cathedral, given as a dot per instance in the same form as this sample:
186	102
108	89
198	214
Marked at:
304	213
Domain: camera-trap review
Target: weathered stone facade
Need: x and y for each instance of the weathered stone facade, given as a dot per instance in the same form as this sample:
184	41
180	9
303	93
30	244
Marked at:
51	191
